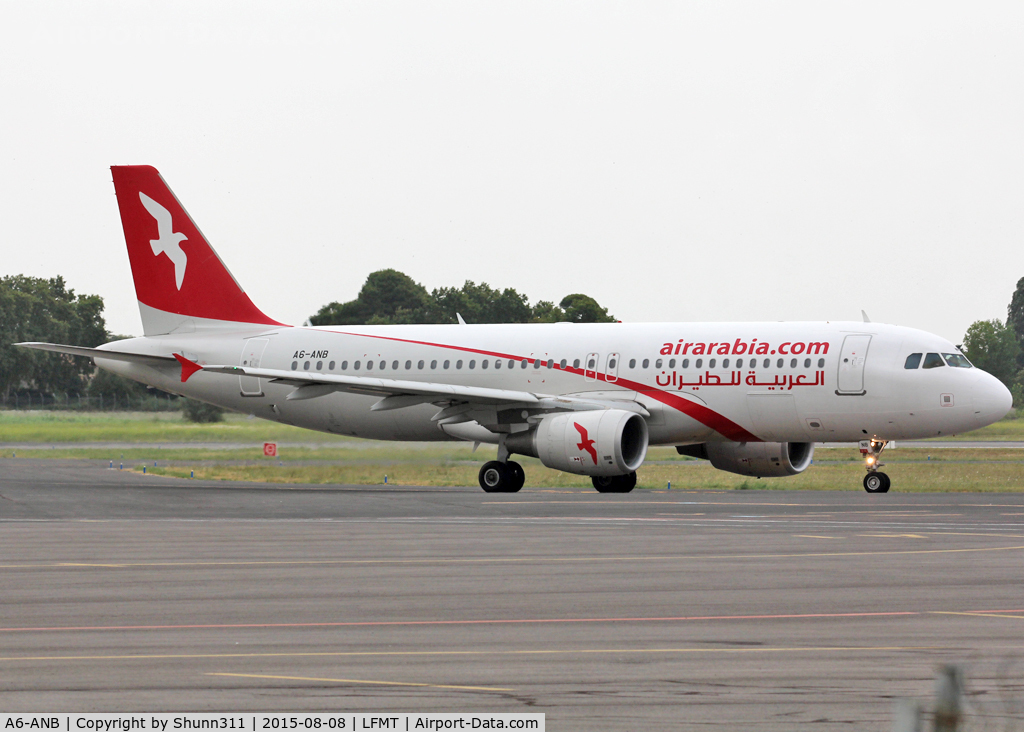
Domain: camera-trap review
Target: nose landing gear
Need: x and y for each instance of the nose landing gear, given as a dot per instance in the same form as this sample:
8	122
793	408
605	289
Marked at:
875	481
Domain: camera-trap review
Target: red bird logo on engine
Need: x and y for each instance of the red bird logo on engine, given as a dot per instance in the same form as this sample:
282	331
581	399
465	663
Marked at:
585	442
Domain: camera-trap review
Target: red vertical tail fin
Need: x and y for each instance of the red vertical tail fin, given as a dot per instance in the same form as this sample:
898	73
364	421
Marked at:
180	281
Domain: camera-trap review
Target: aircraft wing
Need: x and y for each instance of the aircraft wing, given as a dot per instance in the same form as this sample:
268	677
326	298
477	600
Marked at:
399	393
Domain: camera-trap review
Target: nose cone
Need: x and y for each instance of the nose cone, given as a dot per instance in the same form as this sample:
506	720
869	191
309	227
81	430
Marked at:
991	400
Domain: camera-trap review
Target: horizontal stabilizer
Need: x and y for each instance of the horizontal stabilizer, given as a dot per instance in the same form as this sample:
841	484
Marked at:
100	353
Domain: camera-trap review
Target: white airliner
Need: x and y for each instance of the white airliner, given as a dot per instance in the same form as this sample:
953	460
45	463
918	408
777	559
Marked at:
752	398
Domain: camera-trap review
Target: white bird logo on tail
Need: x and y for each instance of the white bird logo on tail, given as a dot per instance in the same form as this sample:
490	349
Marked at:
170	241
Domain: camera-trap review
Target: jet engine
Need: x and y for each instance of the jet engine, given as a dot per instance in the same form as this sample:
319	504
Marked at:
603	442
759	459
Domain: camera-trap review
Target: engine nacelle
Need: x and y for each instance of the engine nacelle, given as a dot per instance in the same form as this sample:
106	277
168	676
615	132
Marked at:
601	442
759	459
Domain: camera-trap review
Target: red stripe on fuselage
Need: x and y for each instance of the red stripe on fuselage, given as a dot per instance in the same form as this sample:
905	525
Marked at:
706	416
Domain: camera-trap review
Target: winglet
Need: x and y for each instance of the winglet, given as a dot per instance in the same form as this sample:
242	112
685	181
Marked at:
865	316
187	367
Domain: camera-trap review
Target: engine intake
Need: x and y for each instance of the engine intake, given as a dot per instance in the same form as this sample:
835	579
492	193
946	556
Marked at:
758	459
601	442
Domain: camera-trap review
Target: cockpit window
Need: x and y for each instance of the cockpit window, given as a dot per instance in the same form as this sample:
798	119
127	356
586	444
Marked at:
933	361
957	360
913	361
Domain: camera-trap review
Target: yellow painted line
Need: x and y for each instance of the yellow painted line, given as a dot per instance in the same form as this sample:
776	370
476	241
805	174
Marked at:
360	681
399	654
977	615
511	560
894	536
812	536
965	533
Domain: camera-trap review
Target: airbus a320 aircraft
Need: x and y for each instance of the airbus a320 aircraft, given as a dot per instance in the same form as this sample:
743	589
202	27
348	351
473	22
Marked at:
589	399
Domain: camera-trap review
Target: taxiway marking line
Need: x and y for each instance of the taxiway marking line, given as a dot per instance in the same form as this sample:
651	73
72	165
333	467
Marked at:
360	681
531	652
979	614
509	560
520	621
811	536
894	536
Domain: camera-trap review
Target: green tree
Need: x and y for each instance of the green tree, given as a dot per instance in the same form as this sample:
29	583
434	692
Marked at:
35	309
480	304
584	309
391	297
387	297
1015	316
993	347
545	311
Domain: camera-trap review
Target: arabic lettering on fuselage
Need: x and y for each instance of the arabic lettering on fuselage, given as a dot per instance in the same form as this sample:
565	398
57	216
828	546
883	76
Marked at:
740	347
677	380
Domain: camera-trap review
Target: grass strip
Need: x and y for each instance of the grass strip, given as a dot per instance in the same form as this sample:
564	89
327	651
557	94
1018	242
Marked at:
910	477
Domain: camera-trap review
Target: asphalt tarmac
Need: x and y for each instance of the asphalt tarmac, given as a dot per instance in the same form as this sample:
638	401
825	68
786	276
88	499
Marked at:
653	610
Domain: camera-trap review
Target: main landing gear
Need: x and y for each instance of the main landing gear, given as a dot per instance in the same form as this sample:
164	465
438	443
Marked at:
614	483
874	481
502	477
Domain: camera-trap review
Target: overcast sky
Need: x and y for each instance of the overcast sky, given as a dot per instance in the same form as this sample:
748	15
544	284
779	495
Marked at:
677	161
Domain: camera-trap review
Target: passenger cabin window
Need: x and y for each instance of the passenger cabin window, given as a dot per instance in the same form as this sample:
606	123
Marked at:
419	365
344	365
781	363
472	363
497	363
821	363
562	364
632	363
767	363
295	365
458	364
957	360
591	364
319	365
699	363
792	363
913	361
933	361
355	366
330	366
725	363
446	364
394	365
433	365
645	364
671	363
686	363
383	365
711	364
483	364
739	363
576	363
305	366
523	363
657	364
